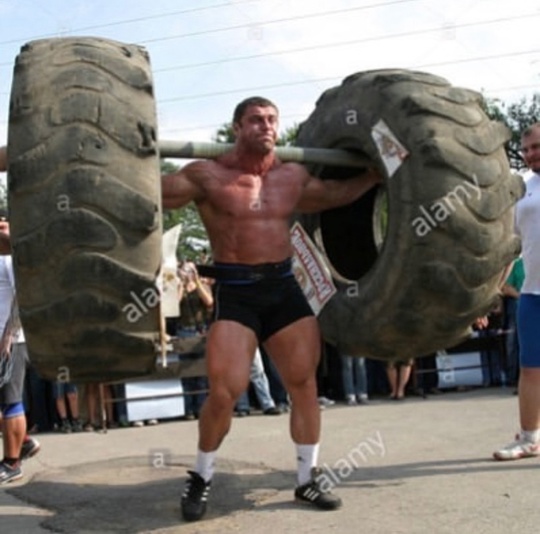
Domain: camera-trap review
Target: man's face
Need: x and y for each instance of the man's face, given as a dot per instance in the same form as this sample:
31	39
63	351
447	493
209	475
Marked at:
530	149
258	128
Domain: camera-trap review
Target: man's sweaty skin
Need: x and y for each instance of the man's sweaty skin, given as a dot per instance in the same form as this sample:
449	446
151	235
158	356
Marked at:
246	197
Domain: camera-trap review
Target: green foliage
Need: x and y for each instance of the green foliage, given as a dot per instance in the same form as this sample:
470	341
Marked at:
3	195
225	133
193	230
517	116
288	137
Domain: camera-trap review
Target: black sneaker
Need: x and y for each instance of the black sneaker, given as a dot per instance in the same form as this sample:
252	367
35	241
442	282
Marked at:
65	427
9	473
312	493
76	425
194	497
273	410
30	447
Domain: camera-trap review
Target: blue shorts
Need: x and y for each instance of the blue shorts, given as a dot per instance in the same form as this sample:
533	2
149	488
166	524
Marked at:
63	388
528	319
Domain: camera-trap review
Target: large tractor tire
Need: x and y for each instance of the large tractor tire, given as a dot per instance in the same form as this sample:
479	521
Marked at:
84	198
419	258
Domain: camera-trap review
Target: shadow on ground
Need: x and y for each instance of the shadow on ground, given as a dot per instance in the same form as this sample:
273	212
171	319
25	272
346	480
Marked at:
130	495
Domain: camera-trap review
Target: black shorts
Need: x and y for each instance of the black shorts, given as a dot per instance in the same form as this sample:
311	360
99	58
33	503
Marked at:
12	392
265	306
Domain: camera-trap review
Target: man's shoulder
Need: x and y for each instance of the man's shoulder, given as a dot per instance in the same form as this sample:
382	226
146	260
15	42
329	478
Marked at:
200	170
199	165
292	169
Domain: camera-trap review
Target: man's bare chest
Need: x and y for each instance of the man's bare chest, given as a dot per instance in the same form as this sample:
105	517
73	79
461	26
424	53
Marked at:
254	194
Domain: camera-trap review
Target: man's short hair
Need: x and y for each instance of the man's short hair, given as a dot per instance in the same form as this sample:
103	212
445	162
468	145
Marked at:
530	129
251	101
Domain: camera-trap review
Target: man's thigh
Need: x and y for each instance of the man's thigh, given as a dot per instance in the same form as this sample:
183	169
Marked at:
295	351
230	347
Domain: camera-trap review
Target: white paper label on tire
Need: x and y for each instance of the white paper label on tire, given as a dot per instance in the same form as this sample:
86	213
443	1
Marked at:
310	270
392	152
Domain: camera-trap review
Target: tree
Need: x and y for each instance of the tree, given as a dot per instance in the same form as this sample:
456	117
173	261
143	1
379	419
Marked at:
225	133
3	195
193	237
517	116
288	137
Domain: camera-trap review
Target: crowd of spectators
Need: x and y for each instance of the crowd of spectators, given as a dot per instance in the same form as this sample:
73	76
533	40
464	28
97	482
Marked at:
341	379
335	375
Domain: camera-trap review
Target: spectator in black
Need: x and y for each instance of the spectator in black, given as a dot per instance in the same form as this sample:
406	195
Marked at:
492	354
427	376
196	303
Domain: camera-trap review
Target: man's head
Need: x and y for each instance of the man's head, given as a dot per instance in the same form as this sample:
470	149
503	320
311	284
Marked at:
530	147
255	125
242	107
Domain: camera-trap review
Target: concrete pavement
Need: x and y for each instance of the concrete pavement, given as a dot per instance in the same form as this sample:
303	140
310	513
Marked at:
417	466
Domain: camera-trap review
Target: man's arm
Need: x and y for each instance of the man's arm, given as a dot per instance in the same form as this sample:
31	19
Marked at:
319	195
180	188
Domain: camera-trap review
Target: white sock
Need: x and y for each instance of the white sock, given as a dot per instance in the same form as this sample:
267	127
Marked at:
306	456
205	464
533	436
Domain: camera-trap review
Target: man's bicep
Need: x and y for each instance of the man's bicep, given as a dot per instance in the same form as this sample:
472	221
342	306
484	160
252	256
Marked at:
313	195
180	188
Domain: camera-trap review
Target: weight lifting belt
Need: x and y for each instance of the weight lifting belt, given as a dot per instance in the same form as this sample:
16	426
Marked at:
241	273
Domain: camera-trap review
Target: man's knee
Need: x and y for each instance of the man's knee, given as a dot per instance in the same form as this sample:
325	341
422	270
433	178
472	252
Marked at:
301	384
224	397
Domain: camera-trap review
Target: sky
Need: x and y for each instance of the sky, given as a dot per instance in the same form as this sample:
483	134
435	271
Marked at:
207	55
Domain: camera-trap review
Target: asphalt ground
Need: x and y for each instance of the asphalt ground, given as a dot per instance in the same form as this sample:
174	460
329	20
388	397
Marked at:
417	466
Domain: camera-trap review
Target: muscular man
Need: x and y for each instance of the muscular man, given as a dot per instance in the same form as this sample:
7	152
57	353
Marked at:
246	199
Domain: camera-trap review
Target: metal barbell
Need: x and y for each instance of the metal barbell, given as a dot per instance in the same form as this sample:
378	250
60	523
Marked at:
325	156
